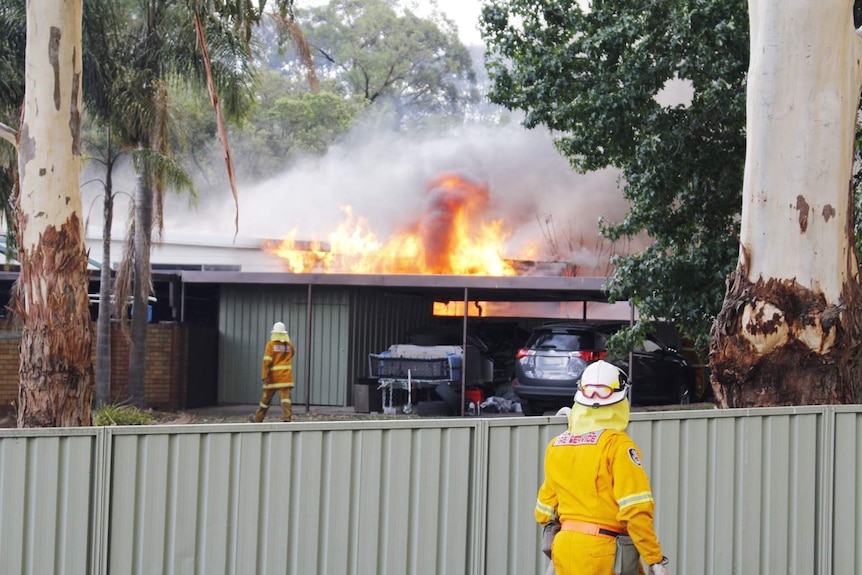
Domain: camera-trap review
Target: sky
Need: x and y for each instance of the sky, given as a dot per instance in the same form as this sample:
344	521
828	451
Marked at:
465	14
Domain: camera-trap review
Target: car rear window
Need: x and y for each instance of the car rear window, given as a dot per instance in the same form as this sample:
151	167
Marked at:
565	340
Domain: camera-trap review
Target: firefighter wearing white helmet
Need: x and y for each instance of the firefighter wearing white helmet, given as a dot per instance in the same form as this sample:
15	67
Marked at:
596	489
277	373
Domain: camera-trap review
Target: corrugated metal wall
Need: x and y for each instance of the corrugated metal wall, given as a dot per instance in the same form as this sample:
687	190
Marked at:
752	492
246	315
843	542
379	320
306	498
48	500
734	494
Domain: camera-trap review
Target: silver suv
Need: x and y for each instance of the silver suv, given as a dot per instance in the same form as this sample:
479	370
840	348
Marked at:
549	367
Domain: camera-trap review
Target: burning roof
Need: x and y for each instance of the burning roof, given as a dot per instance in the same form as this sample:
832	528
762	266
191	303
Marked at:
451	236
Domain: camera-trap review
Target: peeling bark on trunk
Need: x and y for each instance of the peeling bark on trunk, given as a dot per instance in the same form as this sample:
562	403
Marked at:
56	370
790	330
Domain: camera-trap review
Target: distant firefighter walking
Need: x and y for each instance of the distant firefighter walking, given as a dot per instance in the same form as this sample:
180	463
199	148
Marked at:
277	373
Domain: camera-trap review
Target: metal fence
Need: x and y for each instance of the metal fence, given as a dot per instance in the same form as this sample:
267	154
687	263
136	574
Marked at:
760	491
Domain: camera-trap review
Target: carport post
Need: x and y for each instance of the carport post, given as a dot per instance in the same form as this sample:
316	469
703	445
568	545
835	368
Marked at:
308	351
464	347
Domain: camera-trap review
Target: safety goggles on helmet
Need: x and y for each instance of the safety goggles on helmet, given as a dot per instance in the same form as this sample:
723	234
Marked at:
599	391
602	383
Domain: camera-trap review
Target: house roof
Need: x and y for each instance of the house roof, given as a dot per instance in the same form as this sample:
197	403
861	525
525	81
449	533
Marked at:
442	287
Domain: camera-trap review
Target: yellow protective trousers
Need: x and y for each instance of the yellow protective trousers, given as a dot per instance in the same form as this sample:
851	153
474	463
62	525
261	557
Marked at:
286	404
581	554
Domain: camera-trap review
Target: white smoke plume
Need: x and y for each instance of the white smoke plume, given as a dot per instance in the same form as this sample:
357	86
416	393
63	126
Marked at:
533	189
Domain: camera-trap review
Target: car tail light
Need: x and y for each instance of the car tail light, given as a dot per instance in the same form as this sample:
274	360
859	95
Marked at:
524	352
589	355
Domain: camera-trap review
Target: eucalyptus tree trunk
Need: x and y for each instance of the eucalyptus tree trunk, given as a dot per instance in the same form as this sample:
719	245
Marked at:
140	285
103	323
789	330
56	369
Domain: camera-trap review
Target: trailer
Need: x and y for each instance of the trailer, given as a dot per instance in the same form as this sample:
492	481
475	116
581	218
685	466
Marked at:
411	367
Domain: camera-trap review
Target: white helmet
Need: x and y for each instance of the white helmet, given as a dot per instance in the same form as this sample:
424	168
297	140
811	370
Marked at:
278	327
601	384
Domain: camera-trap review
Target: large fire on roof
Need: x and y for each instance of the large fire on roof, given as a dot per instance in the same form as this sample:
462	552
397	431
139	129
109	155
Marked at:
450	237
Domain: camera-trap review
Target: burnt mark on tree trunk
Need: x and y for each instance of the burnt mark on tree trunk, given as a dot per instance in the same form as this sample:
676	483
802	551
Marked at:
763	325
795	371
828	212
54	59
802	207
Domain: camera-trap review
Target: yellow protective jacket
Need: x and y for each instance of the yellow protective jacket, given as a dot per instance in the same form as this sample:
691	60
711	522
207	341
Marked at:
277	370
598	477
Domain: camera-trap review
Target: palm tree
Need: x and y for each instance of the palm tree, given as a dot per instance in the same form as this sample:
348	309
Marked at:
102	37
192	44
126	88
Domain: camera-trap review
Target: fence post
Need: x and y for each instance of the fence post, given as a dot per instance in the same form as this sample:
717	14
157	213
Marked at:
100	514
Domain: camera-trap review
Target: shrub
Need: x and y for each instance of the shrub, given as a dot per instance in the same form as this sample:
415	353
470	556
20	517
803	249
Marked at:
112	414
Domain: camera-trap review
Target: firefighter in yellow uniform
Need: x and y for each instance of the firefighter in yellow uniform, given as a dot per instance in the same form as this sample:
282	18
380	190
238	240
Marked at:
596	487
277	373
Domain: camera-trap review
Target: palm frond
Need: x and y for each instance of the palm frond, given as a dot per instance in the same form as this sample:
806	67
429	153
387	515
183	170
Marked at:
13	23
125	274
161	166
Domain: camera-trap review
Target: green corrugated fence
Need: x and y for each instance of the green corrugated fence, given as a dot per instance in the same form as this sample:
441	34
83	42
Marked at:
760	491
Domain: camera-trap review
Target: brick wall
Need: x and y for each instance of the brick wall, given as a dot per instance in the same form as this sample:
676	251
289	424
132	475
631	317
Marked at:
165	380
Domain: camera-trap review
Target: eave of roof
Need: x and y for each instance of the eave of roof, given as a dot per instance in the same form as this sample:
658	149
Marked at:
442	287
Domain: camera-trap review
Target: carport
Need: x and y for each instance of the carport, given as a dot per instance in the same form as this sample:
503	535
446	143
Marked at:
439	288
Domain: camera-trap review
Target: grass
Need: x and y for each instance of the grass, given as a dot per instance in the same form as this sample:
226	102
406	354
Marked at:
113	414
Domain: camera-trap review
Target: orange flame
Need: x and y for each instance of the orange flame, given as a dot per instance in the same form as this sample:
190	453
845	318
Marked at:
450	238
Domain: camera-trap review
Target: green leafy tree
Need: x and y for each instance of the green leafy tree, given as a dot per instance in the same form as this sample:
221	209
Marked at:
287	121
598	78
12	46
408	67
311	121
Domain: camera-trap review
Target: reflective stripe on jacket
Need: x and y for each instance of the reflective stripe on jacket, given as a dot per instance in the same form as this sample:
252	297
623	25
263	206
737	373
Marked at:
598	477
277	370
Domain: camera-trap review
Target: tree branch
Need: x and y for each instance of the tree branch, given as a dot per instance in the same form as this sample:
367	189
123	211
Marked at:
8	134
326	55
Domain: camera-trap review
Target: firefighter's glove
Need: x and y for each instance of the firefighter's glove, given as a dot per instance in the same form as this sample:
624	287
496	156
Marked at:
659	568
549	531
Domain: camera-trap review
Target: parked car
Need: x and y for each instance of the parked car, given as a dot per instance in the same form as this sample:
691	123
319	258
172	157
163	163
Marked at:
549	367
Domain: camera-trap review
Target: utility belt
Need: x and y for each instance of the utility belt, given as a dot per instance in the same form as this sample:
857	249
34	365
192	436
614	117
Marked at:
591	528
626	556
